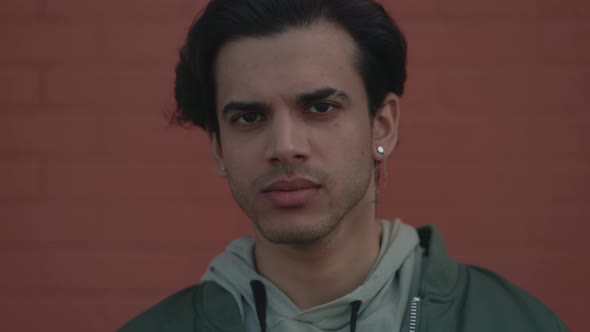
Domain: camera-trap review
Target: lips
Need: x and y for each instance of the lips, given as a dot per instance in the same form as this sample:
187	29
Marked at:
289	194
292	185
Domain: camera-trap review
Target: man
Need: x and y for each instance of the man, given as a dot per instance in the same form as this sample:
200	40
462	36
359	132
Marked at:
301	100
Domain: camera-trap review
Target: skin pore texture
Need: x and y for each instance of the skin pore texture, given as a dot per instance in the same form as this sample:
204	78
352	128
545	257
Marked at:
294	106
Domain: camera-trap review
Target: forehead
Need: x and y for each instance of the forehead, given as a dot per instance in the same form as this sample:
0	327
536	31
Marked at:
297	60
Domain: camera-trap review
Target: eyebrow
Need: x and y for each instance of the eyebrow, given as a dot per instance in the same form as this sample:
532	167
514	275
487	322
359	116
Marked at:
304	99
323	93
242	106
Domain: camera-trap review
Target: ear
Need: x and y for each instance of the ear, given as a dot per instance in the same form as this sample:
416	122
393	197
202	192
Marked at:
385	126
217	154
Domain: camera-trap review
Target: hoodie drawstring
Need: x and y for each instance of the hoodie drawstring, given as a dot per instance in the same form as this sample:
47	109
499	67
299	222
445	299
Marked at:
356	305
260	301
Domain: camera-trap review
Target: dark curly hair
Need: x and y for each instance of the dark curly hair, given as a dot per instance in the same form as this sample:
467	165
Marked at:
381	58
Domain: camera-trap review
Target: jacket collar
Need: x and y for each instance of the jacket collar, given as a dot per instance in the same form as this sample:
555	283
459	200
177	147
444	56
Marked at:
440	273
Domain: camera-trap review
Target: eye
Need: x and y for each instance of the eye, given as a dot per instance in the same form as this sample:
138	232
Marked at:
321	108
248	118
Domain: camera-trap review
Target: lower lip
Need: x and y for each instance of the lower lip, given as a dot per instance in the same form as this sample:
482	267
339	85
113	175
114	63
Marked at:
290	198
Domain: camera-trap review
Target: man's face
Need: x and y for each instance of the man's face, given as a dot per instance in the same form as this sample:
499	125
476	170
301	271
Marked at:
293	108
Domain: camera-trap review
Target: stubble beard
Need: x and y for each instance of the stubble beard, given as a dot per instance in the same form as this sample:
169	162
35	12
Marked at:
353	189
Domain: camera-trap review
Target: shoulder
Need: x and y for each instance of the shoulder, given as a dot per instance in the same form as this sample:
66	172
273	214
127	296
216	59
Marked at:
195	308
179	308
468	298
492	300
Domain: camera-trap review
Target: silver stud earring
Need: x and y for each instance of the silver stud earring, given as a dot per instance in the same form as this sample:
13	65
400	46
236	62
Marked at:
381	151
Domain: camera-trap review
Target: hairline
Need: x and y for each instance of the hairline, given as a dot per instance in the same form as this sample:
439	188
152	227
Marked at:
356	61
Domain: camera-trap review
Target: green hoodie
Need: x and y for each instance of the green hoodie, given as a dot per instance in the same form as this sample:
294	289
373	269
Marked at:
449	297
379	304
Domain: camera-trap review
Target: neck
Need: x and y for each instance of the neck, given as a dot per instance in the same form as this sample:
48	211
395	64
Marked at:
323	271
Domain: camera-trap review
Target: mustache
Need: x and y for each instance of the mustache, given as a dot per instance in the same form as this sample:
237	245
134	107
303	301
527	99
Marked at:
299	170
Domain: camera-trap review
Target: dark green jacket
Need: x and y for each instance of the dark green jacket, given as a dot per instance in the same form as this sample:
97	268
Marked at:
452	297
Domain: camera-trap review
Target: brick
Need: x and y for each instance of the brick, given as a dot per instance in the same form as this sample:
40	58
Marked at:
112	181
148	136
422	90
497	42
447	132
557	300
111	85
159	224
94	313
44	42
521	10
18	132
42	313
144	42
106	310
526	88
117	11
45	223
502	224
69	133
20	179
482	185
416	10
19	86
51	132
507	258
19	10
211	222
77	269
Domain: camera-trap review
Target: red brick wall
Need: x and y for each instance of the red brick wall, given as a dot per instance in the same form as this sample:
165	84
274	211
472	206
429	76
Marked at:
104	210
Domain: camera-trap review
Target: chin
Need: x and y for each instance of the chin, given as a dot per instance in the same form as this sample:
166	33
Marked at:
296	228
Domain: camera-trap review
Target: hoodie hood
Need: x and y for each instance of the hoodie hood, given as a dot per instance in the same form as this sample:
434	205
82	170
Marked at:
378	304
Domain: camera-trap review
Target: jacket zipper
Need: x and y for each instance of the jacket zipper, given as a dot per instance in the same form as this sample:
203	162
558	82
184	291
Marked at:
414	313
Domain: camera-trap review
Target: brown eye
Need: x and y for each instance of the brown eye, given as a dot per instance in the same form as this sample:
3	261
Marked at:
248	118
321	108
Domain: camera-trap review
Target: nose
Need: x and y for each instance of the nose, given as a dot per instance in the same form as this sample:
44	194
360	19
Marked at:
287	140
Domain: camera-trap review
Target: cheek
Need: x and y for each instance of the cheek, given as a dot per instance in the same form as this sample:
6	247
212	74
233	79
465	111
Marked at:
352	138
241	159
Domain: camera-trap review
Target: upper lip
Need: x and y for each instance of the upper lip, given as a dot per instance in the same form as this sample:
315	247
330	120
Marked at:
290	185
